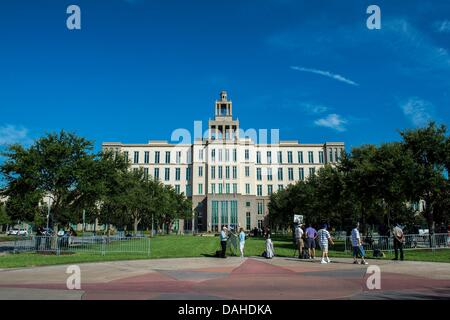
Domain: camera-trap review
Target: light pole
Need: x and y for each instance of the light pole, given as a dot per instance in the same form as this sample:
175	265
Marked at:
48	211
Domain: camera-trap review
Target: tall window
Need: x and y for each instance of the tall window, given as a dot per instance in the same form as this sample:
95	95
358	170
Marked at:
301	174
220	155
213	155
136	157
157	157
312	171
188	173
145	173
200	154
260	208
258	174
189	156
200	171
177	188
178	157
247	220
331	155
280	187
215	215
234	187
247	188
227	188
146	157
289	156
310	157
260	224
188	190
220	188
280	173
234	214
321	157
247	171
227	155
300	157
269	174
269	189
220	172
213	188
290	174
259	190
167	174
167	156
247	154
269	156
213	172
280	157
227	172
200	188
336	155
177	174
234	155
156	173
125	154
258	157
234	172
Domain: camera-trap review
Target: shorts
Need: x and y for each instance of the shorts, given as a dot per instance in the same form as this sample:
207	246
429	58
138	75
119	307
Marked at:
311	243
241	246
324	246
299	242
358	251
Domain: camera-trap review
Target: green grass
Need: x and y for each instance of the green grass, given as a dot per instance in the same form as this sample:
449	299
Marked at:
190	246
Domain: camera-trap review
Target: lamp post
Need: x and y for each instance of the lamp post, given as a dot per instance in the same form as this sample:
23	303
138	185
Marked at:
48	211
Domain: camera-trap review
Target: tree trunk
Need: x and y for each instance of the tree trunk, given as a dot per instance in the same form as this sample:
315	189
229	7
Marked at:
136	223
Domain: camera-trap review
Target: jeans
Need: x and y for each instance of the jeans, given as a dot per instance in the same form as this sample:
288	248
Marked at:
398	245
224	248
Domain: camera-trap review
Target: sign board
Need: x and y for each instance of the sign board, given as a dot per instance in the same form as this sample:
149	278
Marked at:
298	218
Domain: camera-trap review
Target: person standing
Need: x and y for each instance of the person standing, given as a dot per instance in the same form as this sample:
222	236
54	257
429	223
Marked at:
324	239
241	241
311	235
399	239
223	241
358	249
299	240
270	253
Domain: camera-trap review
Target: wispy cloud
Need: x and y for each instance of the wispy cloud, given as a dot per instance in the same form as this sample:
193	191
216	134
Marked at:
418	111
10	134
326	74
332	121
313	108
442	26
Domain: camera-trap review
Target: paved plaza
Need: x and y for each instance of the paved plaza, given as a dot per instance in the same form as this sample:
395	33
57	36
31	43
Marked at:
231	278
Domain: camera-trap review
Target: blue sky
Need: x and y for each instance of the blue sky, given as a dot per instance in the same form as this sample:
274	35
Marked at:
138	69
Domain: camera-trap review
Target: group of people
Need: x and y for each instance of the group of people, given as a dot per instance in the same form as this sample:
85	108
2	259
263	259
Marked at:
310	236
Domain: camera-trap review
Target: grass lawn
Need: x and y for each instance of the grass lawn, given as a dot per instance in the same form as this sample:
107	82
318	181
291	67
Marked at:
190	246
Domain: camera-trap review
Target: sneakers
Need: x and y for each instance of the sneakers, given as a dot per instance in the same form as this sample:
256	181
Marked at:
355	262
328	260
364	262
323	262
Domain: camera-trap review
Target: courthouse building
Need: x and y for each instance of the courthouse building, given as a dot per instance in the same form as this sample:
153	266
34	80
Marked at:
228	176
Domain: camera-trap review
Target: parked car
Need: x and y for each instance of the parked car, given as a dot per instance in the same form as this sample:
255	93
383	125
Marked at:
17	232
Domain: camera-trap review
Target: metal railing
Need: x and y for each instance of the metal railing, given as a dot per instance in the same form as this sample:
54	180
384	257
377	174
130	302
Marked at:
94	244
412	241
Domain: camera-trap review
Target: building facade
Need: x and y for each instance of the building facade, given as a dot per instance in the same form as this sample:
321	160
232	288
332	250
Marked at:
228	175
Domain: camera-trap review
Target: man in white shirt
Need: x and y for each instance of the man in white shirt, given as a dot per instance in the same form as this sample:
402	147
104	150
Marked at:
223	241
299	240
358	249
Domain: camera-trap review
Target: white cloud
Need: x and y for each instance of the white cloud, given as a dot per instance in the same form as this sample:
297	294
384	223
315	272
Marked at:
314	108
418	111
10	134
326	74
442	26
333	121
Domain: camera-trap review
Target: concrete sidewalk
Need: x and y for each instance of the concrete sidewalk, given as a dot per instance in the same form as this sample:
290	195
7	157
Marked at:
231	278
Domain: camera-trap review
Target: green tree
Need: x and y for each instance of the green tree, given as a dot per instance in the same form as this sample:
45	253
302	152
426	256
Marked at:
428	148
53	166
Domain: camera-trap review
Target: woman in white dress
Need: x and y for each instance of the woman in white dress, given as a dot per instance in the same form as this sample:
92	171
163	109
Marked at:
270	253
